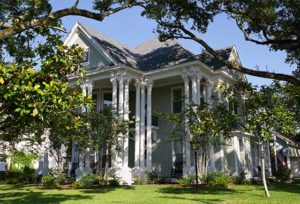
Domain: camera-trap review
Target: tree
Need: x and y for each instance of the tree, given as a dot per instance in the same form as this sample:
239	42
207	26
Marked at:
264	112
205	125
105	131
274	23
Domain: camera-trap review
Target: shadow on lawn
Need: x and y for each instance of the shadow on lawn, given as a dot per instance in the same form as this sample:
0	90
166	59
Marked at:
286	187
39	197
174	192
192	190
106	189
200	200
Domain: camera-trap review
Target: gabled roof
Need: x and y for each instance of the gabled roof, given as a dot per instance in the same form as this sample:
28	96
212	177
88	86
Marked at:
149	55
209	60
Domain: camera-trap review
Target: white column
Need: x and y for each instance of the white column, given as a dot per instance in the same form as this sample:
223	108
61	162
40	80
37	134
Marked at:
222	156
113	80
195	93
237	154
149	124
208	94
121	95
142	147
119	154
198	82
186	103
137	123
222	153
126	118
269	158
275	152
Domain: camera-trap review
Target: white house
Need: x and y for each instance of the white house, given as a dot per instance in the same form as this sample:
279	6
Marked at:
154	77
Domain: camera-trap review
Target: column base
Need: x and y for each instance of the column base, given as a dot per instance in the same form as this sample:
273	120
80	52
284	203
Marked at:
123	173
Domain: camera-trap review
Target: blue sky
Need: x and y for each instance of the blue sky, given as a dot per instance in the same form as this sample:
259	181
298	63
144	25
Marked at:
129	28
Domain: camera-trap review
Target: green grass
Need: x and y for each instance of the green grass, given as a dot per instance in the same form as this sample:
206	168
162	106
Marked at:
280	193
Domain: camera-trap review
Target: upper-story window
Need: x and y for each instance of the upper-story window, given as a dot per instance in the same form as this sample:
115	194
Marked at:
86	56
177	98
241	143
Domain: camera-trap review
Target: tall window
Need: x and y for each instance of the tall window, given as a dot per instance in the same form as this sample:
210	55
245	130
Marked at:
177	98
86	55
94	98
107	99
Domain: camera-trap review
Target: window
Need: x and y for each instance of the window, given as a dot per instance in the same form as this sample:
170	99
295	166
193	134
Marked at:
241	144
107	99
177	100
94	98
86	55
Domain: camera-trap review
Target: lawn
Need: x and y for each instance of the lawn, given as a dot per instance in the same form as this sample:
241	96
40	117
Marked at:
280	193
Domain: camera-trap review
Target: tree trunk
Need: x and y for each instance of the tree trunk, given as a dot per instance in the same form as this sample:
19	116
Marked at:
105	172
196	170
263	172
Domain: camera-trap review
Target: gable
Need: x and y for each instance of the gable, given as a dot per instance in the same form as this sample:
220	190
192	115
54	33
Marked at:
96	56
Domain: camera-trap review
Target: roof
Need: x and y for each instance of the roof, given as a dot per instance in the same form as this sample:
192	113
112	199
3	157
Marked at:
209	60
151	54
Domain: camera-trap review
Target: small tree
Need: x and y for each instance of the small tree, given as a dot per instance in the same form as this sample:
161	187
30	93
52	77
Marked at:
205	124
264	111
106	131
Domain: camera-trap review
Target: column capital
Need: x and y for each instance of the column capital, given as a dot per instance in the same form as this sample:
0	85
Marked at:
113	77
185	76
137	82
121	75
149	83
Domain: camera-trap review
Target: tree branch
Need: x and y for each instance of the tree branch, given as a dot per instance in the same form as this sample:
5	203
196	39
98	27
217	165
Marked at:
238	67
14	29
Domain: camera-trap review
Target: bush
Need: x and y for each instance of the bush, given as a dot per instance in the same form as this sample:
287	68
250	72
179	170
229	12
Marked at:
78	184
241	179
139	181
152	176
49	181
62	178
283	173
24	175
113	181
187	180
89	179
216	179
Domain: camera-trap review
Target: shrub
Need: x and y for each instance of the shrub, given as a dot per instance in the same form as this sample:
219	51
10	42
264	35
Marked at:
283	173
241	179
152	176
216	179
78	184
24	175
187	180
139	181
113	180
88	179
49	181
61	178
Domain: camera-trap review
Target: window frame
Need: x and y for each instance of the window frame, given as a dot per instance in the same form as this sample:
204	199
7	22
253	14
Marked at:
102	101
172	98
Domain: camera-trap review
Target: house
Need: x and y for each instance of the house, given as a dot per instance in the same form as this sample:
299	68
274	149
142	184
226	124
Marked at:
155	77
286	152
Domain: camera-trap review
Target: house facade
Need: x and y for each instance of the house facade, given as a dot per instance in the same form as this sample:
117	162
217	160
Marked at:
157	77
